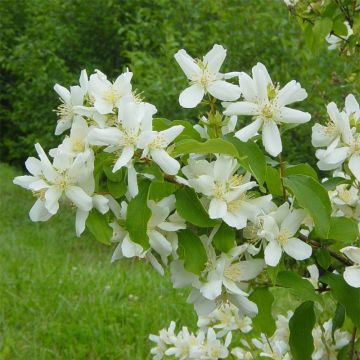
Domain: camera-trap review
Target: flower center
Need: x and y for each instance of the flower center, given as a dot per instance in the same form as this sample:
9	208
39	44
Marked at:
158	143
234	181
219	191
330	128
78	145
283	237
267	111
111	95
233	272
345	195
131	138
355	146
64	111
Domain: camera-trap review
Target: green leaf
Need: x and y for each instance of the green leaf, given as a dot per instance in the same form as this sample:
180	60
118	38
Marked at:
301	169
116	189
344	230
312	197
332	183
211	146
160	124
264	321
118	176
301	324
339	27
191	209
345	294
192	251
161	189
323	258
298	286
322	28
251	158
338	319
273	181
138	215
224	239
99	227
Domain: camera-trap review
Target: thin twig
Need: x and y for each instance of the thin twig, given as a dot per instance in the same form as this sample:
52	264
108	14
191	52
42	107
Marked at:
352	344
317	245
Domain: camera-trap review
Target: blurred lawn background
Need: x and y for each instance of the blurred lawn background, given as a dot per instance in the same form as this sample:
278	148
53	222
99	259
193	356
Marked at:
60	298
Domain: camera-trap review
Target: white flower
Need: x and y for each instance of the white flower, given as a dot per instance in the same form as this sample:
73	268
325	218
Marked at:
279	228
335	129
162	341
71	179
133	119
108	95
241	354
352	273
268	105
314	275
227	271
70	101
77	142
325	348
341	137
186	345
154	144
205	78
226	190
213	347
226	318
276	347
336	41
162	226
345	201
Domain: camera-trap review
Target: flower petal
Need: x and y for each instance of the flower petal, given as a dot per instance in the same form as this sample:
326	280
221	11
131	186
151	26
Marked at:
297	249
126	156
80	221
293	116
167	164
249	131
215	58
354	165
352	276
242	108
212	289
39	212
272	253
224	91
217	208
79	197
191	96
52	197
187	64
271	138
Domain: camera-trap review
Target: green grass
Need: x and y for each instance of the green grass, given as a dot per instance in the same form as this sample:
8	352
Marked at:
61	298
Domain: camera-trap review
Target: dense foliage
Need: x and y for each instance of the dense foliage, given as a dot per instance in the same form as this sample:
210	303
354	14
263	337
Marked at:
43	42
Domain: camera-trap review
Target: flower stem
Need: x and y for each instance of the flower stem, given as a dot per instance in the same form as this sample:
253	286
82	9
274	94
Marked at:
282	174
352	344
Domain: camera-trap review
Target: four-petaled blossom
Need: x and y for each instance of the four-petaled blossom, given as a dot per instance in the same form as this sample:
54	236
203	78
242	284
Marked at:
154	144
352	273
72	99
280	228
108	95
205	78
268	105
342	138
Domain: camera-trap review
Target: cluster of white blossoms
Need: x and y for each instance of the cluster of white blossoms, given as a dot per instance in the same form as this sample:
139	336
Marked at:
340	137
184	196
211	341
